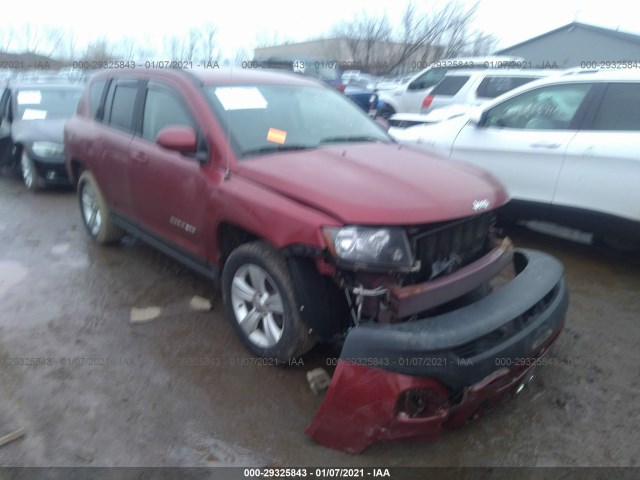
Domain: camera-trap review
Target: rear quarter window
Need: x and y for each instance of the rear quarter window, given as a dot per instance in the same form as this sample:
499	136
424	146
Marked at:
492	87
449	86
620	108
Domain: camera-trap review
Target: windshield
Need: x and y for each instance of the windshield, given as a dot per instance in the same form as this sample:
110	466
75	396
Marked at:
268	118
47	103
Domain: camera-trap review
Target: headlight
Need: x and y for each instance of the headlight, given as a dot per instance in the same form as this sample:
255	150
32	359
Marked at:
370	247
47	149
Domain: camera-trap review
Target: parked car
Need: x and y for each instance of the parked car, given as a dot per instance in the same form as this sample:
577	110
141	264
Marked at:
319	227
566	147
408	97
328	72
461	89
32	117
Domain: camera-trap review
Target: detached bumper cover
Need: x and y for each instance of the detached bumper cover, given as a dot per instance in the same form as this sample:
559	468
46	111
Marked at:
411	379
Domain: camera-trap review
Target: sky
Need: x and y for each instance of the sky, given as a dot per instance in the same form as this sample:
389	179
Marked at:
240	23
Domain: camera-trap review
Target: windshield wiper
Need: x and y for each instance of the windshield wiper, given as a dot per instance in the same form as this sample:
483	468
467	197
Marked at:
352	138
276	148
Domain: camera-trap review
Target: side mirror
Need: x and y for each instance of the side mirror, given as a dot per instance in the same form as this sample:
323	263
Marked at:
383	122
477	117
178	138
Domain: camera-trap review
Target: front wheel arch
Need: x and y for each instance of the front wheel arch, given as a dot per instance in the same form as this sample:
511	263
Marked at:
246	298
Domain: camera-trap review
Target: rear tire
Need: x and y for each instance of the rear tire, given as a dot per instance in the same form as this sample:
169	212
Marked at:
260	301
95	212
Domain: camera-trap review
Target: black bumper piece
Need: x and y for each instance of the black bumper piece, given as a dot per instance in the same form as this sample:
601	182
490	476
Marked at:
461	347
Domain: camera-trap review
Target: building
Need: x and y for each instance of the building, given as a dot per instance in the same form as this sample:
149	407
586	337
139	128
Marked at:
578	45
352	54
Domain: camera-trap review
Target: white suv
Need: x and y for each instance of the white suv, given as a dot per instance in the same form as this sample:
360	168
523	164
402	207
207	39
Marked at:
566	147
409	96
461	89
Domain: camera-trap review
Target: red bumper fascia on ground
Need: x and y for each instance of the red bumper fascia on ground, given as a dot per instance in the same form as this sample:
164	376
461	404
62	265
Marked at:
365	405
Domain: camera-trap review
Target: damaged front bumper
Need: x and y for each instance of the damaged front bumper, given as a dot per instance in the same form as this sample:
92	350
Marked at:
413	378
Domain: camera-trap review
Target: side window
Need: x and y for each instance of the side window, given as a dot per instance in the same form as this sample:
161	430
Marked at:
492	87
450	86
95	97
5	105
124	96
620	108
428	79
162	108
546	108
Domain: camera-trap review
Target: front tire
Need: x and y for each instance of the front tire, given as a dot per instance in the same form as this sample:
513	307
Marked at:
29	173
259	298
95	212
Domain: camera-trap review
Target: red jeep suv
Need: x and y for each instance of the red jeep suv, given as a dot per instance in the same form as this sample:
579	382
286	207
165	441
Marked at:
320	227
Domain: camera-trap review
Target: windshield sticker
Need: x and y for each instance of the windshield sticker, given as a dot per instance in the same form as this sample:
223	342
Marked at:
240	98
32	114
276	136
29	97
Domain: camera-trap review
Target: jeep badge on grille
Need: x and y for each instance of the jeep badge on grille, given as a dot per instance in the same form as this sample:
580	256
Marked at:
480	204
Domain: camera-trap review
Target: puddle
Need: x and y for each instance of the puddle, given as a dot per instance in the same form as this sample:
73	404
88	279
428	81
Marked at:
60	249
213	452
11	273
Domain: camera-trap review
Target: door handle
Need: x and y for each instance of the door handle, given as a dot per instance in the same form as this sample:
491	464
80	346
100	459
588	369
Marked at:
140	157
545	145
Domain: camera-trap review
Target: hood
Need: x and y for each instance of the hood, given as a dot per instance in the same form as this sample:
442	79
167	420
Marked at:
29	131
376	184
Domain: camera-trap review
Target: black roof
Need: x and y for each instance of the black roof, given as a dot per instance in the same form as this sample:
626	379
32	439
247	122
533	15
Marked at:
624	36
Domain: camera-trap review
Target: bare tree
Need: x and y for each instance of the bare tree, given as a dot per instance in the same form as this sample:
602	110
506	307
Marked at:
54	39
208	44
99	50
67	47
482	44
193	41
241	56
174	47
124	48
363	36
270	39
30	38
7	37
441	31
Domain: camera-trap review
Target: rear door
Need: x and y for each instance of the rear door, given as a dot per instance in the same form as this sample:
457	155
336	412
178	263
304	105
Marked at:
522	140
112	168
168	186
601	171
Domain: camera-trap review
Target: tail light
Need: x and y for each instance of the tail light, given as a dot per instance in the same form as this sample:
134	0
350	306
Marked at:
340	87
426	103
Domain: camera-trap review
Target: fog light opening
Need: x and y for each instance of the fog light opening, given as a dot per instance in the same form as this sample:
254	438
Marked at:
421	403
